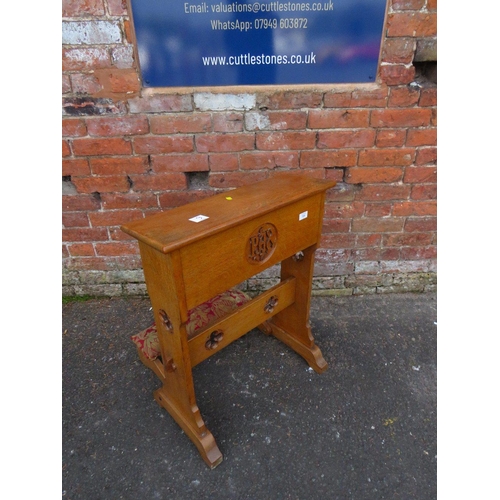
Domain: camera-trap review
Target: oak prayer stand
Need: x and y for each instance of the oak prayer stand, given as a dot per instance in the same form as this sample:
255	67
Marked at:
194	252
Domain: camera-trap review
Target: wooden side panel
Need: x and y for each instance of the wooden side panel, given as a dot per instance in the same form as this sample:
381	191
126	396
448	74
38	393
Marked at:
213	265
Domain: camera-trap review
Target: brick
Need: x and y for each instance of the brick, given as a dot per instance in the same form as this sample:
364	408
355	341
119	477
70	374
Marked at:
426	156
66	150
111	201
73	128
116	249
81	250
228	122
335	118
85	58
386	157
90	32
208	101
75	219
180	163
431	4
181	124
223	162
107	184
406	96
235	179
113	217
409	208
424	192
413	24
75	167
357	98
337	139
393	118
359	175
117	7
343	210
85	234
376	254
123	81
334	174
422	137
324	159
368	240
66	84
289	100
159	182
428	97
98	147
114	166
420	225
377	225
418	253
224	143
82	8
420	174
160	104
378	210
337	100
338	240
117	126
407	239
272	141
80	202
336	225
276	120
398	50
91	106
342	192
257	161
390	138
85	84
397	74
163	144
123	57
373	192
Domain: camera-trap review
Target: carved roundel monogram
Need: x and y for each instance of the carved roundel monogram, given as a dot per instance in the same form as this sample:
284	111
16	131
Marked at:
261	243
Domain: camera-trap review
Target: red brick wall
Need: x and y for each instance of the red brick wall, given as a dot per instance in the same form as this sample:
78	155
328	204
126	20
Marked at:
129	152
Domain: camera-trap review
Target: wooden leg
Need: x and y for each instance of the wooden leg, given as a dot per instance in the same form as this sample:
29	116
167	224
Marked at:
192	424
291	325
187	416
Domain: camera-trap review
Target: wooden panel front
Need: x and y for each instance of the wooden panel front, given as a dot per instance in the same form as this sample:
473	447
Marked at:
241	321
212	265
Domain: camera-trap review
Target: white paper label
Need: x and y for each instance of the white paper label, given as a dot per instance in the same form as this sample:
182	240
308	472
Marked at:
198	218
303	215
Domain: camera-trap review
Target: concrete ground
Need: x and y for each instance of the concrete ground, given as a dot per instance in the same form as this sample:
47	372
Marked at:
363	430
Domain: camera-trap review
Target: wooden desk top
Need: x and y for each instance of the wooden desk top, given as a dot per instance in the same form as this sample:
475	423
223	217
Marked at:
173	229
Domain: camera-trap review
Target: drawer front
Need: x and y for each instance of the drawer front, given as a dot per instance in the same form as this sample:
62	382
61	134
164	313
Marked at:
213	265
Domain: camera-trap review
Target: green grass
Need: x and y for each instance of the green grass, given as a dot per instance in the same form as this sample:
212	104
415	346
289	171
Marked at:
79	298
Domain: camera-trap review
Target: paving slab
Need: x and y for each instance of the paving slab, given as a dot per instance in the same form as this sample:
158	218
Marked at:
364	429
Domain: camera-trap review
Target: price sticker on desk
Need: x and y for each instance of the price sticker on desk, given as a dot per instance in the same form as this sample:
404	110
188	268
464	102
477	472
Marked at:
198	218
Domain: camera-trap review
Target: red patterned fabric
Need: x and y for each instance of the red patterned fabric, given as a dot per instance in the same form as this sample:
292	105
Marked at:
198	317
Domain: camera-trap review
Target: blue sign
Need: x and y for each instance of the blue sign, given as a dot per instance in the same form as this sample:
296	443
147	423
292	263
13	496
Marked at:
267	42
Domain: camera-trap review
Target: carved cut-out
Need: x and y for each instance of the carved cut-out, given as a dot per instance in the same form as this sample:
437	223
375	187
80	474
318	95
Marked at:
214	339
166	320
261	243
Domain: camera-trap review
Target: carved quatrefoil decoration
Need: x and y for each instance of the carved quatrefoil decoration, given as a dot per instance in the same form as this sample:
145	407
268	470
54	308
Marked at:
261	243
214	339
